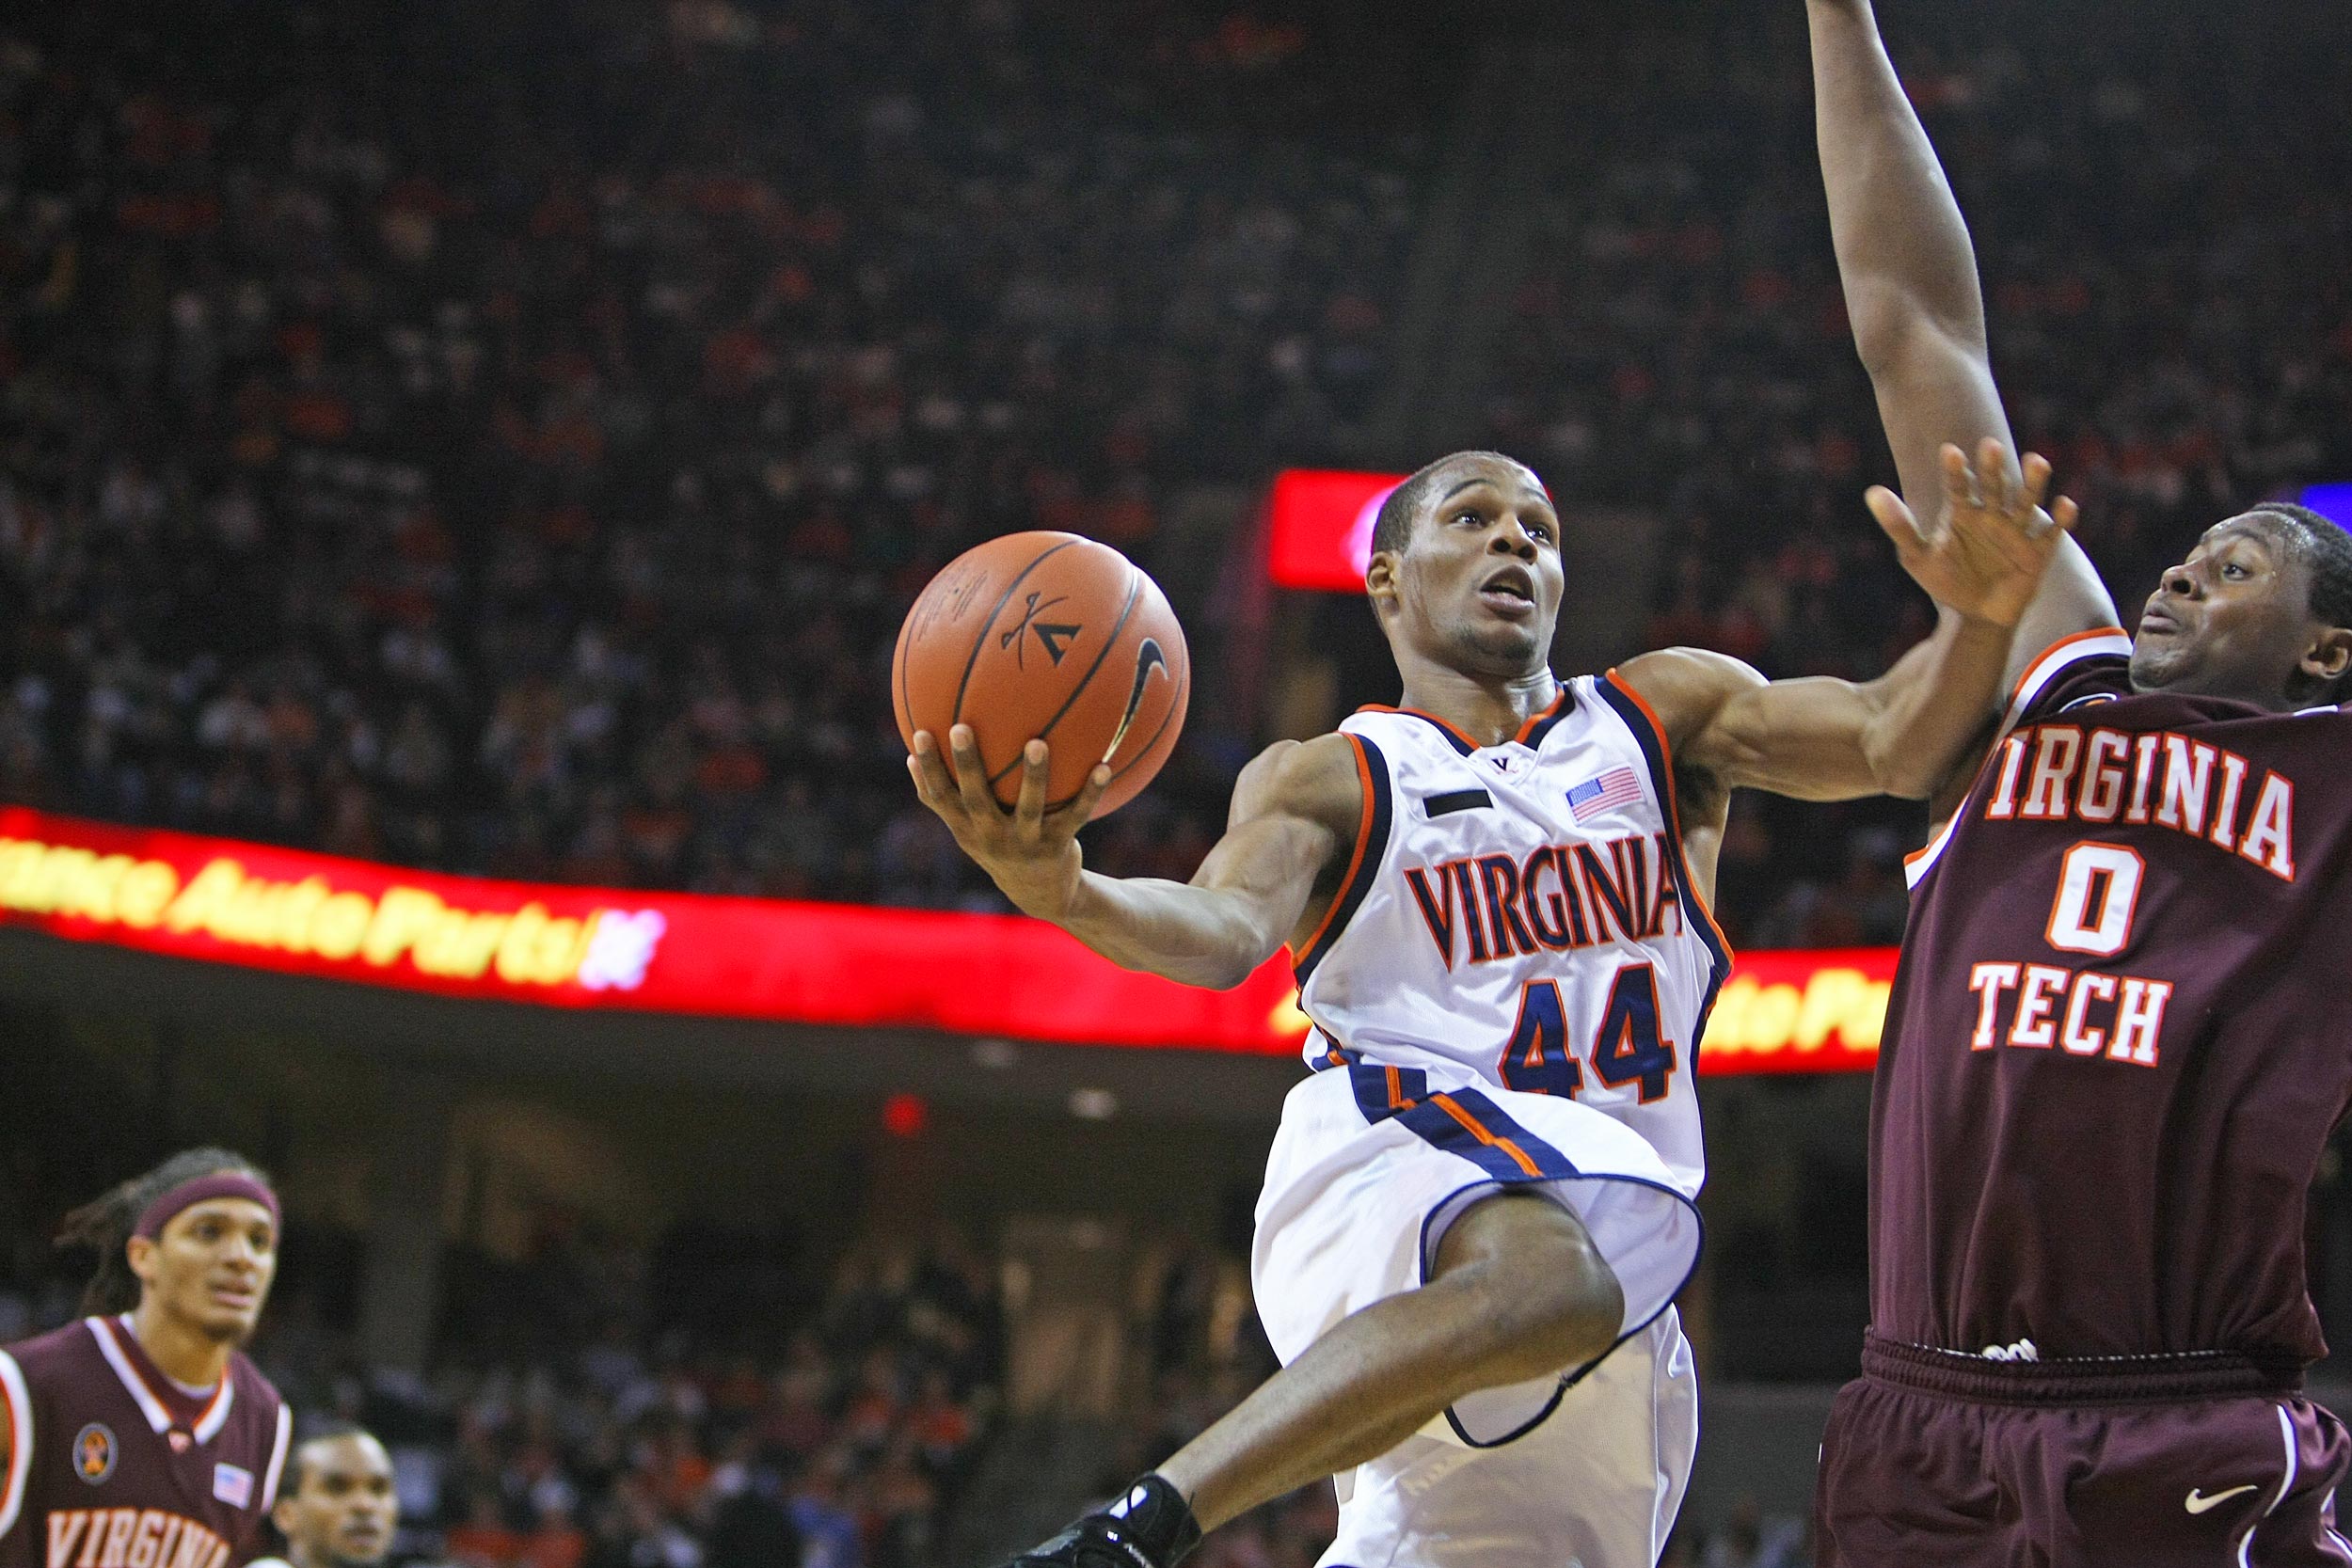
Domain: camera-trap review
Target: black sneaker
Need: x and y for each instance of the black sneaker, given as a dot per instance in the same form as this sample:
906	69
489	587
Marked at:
1151	1527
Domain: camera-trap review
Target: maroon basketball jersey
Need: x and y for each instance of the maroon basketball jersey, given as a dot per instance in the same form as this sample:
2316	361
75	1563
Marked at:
2120	1034
111	1464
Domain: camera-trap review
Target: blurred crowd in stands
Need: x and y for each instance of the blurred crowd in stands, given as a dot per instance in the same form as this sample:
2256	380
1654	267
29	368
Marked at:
505	440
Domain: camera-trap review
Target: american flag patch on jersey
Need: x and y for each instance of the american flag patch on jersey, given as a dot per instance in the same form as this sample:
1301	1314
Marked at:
1619	786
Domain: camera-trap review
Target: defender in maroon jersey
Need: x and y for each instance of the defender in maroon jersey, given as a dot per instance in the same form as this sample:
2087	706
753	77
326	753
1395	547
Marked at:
2118	1039
141	1436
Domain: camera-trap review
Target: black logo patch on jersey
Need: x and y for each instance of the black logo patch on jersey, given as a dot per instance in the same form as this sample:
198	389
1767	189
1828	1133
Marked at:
94	1452
1453	800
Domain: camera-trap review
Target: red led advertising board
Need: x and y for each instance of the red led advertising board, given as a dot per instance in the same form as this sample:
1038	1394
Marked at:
1319	527
226	902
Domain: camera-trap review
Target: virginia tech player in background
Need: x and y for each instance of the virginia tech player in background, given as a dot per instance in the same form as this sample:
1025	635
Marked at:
139	1436
338	1507
1498	900
2118	1039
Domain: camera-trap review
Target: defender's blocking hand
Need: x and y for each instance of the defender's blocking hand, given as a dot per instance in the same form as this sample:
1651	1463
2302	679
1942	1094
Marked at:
1987	550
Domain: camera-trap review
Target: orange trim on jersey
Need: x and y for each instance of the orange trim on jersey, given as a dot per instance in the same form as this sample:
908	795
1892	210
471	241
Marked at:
1478	1130
1550	709
1451	729
1925	849
1674	803
1356	860
1396	1089
2033	665
216	1414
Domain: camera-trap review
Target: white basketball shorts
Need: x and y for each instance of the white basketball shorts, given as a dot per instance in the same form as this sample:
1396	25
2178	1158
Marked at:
1586	1470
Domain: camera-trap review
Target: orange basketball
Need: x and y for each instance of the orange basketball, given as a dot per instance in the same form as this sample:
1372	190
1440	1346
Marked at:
1052	637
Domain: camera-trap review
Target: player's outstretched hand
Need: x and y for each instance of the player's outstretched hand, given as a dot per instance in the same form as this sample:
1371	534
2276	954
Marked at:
1030	852
1985	555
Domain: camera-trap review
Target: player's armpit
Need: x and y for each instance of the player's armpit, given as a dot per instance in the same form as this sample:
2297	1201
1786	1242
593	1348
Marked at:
1296	814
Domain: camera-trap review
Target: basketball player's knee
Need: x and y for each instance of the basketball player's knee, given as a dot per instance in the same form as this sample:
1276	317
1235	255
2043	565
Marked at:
1537	1300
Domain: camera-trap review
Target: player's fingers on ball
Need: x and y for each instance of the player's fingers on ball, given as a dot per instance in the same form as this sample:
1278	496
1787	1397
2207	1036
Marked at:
1029	808
2065	514
971	777
1075	815
931	773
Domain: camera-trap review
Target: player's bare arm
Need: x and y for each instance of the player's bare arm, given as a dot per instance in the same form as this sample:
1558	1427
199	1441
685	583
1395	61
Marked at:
1904	733
1292	819
1912	292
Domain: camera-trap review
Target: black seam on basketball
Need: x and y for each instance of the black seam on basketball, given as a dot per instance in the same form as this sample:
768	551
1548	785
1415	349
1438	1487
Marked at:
1135	591
955	715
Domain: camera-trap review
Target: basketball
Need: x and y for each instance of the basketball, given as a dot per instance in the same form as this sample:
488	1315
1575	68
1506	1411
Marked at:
1052	637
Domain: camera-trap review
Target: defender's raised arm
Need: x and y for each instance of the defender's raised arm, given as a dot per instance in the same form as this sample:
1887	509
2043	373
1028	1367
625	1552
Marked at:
1910	277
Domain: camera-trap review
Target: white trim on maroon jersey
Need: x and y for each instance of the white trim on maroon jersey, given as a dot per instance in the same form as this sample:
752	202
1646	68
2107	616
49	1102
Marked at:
216	1413
2058	657
277	1456
150	1406
19	1401
1917	865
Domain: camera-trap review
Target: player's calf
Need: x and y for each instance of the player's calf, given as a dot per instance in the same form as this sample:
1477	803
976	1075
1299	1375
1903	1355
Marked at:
1517	1291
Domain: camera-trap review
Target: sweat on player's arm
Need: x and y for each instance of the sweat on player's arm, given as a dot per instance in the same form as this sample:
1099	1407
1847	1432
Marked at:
1906	732
1293	820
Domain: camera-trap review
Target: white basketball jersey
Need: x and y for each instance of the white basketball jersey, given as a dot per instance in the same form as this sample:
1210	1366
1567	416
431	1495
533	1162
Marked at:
1523	913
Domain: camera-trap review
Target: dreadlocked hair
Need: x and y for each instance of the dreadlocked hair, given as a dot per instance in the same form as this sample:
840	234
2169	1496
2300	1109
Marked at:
106	1223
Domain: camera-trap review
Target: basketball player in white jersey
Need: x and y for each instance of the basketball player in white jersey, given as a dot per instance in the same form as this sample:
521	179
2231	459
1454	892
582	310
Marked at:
1479	1207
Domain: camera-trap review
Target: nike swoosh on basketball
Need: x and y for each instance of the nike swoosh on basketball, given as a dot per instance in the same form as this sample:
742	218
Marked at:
2199	1503
1149	656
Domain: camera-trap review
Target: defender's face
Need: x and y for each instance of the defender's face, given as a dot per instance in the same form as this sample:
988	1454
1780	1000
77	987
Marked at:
346	1510
1479	584
212	1266
2233	619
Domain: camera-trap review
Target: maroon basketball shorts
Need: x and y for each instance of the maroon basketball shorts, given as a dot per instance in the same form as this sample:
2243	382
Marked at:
1934	1458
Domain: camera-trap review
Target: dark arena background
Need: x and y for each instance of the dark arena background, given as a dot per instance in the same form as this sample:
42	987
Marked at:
462	468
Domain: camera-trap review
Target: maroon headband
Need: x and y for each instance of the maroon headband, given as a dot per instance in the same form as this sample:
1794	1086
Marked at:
226	1183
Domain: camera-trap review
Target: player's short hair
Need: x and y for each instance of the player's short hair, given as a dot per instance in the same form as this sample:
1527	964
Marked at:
2321	544
309	1432
106	1223
1393	526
